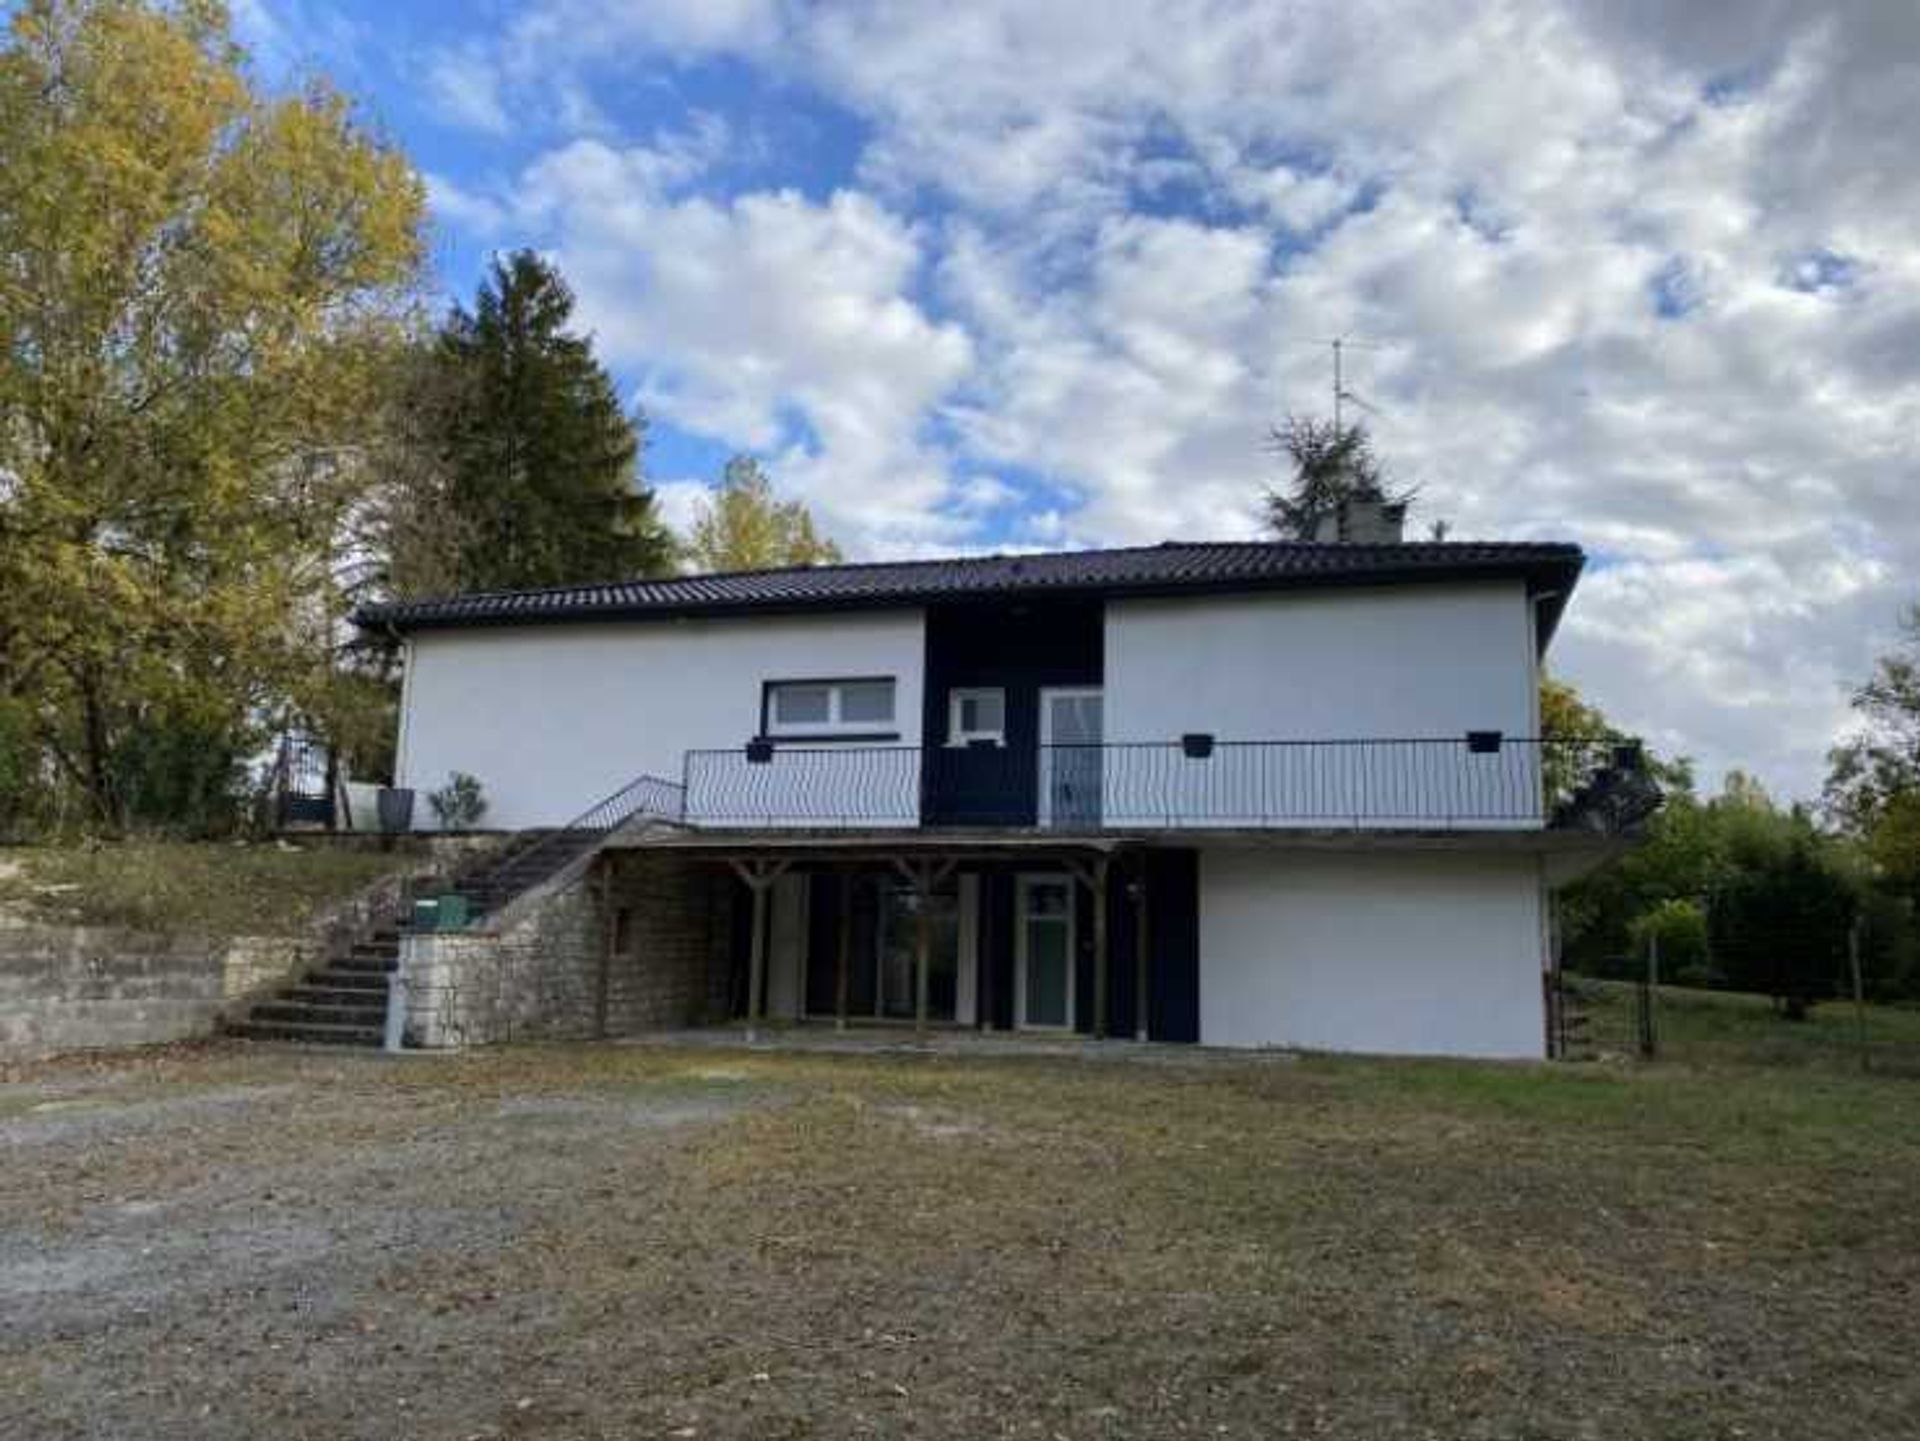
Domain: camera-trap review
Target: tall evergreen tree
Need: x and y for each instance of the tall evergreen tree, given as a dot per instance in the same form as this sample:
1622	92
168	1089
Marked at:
546	481
1333	463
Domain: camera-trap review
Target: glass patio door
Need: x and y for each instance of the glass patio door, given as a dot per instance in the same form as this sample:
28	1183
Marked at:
1043	954
1070	758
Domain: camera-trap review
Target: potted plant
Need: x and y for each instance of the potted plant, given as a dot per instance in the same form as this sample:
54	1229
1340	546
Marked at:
393	806
460	804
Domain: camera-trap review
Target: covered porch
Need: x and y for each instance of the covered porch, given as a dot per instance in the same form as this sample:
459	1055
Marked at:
1089	936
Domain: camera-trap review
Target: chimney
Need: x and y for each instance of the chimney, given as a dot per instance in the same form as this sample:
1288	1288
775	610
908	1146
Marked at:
1359	520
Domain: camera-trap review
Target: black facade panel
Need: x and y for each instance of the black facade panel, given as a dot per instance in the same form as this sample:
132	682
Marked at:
823	943
1173	924
996	947
1019	647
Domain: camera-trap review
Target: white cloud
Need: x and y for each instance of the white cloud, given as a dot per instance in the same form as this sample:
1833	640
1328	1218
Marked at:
770	321
1149	208
464	87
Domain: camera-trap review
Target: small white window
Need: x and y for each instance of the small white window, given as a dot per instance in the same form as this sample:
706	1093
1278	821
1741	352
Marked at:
867	702
829	707
802	705
976	713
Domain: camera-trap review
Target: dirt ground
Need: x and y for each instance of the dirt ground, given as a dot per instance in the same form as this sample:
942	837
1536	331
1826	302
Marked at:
696	1241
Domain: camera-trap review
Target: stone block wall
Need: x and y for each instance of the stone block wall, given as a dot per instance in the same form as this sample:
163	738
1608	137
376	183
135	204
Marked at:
629	943
65	988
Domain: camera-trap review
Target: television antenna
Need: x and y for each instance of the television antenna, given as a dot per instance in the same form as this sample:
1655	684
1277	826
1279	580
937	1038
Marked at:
1340	345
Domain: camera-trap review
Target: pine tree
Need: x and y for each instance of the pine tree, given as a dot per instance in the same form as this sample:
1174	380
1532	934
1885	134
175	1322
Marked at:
546	482
1332	464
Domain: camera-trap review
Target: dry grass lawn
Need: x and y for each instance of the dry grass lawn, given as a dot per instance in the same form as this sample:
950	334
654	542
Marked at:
185	887
653	1241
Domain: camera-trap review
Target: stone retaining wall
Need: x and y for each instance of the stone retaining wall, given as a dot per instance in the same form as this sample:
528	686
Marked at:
66	988
630	943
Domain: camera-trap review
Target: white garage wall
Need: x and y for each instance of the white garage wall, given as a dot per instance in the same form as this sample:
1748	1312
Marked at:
1398	952
553	718
1424	662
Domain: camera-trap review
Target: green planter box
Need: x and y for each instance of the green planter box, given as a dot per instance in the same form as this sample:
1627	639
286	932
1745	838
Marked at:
441	913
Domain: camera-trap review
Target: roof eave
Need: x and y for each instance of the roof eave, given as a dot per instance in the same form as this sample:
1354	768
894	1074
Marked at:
1550	582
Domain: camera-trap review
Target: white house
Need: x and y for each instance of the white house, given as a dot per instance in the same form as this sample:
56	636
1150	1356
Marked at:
1245	794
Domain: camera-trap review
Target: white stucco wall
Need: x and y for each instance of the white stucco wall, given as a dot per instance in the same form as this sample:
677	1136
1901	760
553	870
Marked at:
1416	663
553	718
1416	953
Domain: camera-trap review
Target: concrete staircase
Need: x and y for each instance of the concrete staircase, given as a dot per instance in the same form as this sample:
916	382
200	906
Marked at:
343	1002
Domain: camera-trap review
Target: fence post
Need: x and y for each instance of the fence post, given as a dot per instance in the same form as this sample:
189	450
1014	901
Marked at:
1649	991
1859	993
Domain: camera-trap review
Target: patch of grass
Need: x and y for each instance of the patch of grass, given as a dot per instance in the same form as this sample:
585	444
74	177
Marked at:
1721	1028
185	887
585	1241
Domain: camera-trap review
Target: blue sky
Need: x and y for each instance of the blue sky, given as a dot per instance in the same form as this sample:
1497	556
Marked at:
1021	273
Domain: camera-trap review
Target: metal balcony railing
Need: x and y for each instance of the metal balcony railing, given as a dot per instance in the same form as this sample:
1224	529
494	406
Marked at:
1481	780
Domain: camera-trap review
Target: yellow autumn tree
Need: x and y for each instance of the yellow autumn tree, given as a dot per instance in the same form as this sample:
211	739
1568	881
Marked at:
744	527
200	283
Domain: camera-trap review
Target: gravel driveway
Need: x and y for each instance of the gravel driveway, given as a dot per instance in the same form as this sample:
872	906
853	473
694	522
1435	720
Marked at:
692	1240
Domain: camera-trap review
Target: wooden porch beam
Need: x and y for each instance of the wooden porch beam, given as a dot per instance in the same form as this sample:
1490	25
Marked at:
925	876
759	877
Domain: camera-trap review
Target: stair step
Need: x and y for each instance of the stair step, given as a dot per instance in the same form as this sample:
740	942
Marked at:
372	982
314	992
375	950
307	1013
314	1034
365	965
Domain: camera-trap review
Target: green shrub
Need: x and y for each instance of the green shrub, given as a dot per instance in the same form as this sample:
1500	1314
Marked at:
460	804
1680	929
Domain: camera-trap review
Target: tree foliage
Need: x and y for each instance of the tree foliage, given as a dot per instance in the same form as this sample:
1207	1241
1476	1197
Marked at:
196	282
1739	890
1880	764
1333	463
1873	779
745	527
543	478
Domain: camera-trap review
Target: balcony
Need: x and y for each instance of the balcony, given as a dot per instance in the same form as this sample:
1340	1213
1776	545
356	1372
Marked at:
1481	781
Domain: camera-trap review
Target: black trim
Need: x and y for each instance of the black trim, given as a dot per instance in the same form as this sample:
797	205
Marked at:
830	738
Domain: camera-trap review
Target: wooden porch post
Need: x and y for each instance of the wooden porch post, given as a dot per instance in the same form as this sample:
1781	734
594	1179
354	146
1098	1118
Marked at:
759	877
1100	968
984	941
1093	875
922	957
842	978
925	877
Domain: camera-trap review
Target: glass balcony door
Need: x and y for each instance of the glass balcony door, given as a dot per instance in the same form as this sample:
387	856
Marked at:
1071	730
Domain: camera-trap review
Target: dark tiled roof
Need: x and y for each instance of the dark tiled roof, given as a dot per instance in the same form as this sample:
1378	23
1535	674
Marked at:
1170	569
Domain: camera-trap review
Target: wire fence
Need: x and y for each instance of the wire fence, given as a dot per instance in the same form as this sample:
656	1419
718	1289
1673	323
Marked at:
1635	1012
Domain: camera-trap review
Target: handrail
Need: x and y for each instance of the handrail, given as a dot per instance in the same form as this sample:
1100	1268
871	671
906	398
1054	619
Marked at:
537	855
